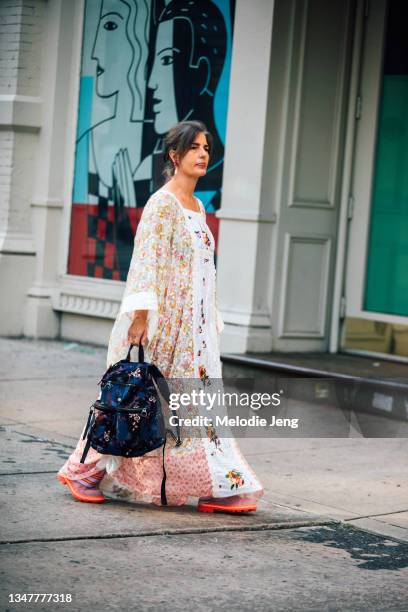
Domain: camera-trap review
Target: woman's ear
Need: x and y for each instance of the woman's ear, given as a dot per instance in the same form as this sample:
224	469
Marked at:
173	157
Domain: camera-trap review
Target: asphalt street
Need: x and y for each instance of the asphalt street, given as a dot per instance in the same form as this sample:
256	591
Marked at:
330	533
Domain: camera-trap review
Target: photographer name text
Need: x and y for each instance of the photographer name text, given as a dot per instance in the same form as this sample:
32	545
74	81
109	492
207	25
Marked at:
237	421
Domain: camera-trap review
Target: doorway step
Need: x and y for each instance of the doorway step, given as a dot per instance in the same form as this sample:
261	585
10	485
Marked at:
349	382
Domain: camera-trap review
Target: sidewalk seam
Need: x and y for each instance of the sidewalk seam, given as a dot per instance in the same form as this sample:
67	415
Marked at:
374	515
280	526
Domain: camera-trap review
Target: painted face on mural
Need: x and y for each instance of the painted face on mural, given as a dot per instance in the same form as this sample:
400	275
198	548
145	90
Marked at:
112	49
162	79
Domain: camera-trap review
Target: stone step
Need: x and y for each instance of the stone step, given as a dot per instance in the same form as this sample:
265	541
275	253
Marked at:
352	382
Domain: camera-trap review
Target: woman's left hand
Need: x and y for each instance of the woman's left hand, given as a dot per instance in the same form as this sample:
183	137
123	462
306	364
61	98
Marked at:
138	328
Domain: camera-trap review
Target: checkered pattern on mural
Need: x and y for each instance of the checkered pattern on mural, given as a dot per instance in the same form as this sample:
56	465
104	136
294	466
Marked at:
110	231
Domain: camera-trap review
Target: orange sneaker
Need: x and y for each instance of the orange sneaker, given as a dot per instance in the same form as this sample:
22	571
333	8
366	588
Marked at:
234	504
85	490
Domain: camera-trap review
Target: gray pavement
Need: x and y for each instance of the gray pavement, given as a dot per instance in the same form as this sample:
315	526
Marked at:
331	532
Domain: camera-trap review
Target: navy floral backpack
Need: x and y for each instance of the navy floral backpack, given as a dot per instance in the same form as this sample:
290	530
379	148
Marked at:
127	418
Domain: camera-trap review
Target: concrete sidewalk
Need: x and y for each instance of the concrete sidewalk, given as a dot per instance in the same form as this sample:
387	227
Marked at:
334	510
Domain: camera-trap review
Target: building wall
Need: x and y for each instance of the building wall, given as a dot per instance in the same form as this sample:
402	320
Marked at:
262	241
21	27
272	238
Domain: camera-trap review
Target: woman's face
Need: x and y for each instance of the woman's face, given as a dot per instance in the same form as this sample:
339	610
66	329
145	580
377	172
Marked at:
195	161
112	49
162	79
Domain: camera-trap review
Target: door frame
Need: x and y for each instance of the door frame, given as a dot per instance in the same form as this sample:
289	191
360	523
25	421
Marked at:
351	304
361	12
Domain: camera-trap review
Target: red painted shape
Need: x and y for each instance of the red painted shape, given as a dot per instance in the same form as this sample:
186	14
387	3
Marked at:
101	232
82	249
109	255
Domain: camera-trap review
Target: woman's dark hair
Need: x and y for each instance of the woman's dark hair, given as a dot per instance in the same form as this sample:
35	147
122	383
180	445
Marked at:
179	139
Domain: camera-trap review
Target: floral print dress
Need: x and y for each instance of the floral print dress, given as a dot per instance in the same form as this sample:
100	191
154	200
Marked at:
172	275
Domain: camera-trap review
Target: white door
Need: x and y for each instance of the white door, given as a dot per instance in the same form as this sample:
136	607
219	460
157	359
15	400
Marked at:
318	76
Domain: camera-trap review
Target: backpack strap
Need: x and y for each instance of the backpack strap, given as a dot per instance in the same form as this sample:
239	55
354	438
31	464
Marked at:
88	430
163	484
86	449
88	422
141	352
164	388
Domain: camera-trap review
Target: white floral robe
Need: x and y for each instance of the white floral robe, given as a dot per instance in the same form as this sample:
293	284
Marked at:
172	275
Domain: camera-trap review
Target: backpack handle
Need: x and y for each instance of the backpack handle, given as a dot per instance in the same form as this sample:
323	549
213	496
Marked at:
141	352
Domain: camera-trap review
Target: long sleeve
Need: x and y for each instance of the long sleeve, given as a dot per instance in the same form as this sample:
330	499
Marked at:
150	260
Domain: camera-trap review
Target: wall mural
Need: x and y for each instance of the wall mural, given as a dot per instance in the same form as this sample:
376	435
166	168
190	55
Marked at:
146	64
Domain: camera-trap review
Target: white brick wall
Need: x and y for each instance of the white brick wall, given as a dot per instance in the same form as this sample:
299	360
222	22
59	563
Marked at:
23	169
21	24
6	166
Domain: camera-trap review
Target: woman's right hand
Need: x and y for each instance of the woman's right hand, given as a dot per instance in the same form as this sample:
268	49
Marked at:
138	328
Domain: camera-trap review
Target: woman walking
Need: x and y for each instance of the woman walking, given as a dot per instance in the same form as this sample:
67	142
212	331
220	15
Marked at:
170	306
